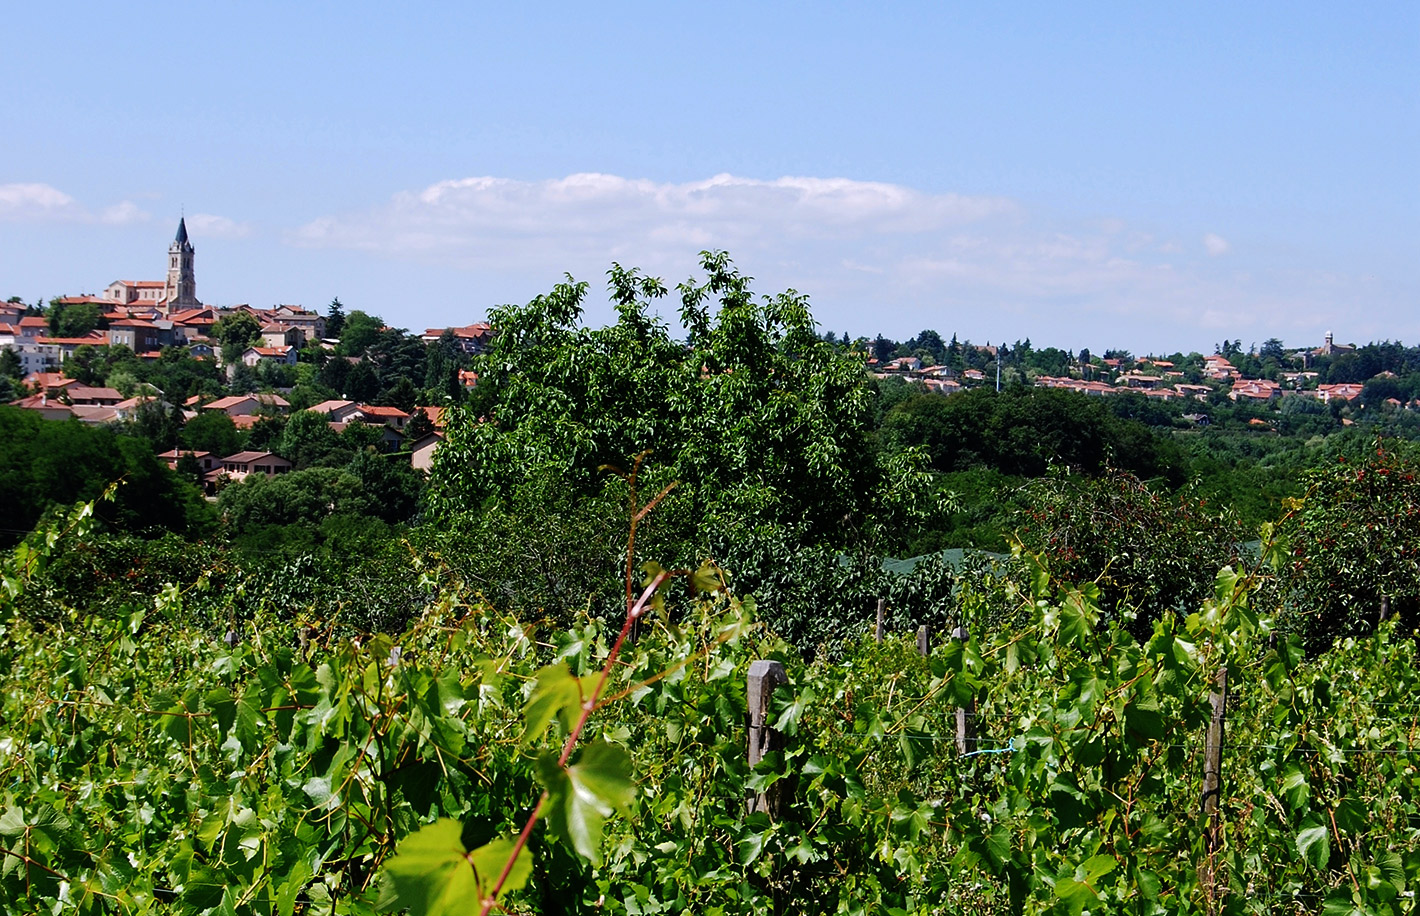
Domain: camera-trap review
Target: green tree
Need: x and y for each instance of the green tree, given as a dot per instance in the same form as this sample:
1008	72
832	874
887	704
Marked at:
334	318
401	394
73	320
358	333
211	431
1151	553
390	489
307	440
419	426
159	424
1352	540
360	384
45	463
1023	431
763	424
10	366
237	331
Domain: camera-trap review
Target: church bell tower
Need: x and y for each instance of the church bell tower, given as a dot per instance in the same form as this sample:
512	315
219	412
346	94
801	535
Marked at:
181	291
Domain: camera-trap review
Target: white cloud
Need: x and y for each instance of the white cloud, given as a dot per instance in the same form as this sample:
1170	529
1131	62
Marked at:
36	201
123	213
476	221
208	225
875	254
30	200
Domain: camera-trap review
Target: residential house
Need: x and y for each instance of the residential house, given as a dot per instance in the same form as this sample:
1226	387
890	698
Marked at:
942	385
67	345
127	292
392	417
338	411
421	453
50	382
244	464
1218	367
310	324
33	355
904	364
205	460
471	339
31	328
1137	379
96	414
142	336
285	356
191	324
48	406
1255	390
248	404
1345	391
1197	392
283	335
93	397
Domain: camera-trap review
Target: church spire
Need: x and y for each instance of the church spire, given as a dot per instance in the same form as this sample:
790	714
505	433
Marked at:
181	287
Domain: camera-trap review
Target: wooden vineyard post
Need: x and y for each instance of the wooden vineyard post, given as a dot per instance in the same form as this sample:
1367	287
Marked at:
923	648
878	630
1213	781
764	676
1385	607
966	715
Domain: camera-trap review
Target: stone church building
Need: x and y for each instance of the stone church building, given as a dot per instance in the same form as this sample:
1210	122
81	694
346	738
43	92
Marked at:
175	294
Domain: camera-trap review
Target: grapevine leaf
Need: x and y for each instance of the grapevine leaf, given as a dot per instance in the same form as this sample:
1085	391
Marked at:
1339	903
556	693
430	874
706	578
1314	844
583	795
224	708
1295	788
489	860
1075	895
1076	620
1145	720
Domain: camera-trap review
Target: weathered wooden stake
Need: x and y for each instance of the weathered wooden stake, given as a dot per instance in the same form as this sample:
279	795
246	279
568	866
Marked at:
1385	607
764	676
922	647
878	631
966	715
1213	778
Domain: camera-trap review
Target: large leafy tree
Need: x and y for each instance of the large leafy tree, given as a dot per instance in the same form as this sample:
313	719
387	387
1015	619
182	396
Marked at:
1350	543
1023	431
763	425
237	331
47	463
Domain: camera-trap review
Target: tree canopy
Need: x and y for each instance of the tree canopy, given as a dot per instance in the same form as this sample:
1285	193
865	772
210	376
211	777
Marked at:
759	421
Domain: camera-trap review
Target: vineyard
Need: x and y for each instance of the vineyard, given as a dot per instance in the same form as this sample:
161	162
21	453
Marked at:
152	764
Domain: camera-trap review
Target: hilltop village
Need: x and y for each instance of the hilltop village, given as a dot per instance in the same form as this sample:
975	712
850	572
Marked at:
213	386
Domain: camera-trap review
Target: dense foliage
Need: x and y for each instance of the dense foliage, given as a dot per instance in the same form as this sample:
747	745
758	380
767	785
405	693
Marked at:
1148	552
1024	431
765	429
154	764
1352	543
44	464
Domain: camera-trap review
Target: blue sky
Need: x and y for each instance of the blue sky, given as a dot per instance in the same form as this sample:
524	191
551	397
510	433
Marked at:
1146	176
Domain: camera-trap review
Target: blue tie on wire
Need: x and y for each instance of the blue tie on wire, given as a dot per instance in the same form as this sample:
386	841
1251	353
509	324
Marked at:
1009	748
